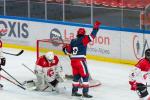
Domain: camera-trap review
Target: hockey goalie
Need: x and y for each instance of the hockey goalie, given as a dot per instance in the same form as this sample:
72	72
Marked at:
138	77
49	74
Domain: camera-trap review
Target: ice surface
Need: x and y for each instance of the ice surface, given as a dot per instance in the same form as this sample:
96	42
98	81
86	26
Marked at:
114	79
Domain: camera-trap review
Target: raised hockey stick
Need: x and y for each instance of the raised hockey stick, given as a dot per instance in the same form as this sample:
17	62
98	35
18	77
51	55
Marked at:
17	54
12	82
11	76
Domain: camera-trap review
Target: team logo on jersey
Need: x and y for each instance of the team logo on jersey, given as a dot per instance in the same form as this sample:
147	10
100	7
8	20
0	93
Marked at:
56	37
139	47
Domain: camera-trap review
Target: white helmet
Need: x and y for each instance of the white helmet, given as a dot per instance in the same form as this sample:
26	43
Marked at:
49	56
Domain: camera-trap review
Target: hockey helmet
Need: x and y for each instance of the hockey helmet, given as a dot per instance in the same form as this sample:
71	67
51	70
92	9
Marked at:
147	54
49	56
81	31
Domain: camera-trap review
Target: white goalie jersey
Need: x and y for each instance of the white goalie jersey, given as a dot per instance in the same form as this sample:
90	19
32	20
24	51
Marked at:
48	72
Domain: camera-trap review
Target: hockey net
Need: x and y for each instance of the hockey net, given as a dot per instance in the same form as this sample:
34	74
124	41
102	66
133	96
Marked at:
46	45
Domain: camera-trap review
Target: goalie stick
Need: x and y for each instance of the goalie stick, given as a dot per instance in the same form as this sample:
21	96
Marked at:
17	54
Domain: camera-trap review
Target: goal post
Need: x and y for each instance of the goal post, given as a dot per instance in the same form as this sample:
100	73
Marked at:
45	45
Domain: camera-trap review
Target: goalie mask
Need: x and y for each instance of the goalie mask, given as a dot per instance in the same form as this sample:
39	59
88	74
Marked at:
49	56
147	54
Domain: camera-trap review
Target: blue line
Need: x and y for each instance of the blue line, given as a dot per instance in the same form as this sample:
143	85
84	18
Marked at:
77	24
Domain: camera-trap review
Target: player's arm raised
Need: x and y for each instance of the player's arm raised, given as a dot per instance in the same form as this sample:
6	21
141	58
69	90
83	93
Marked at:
93	34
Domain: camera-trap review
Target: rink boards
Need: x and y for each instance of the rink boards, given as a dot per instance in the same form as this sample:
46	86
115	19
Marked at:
111	44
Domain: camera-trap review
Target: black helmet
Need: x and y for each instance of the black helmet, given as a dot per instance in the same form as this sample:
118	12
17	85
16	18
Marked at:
147	54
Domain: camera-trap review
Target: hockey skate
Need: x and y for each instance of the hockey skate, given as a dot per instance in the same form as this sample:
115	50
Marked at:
86	95
76	94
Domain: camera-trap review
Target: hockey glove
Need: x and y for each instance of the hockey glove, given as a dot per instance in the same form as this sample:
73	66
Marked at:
97	24
133	85
66	49
3	61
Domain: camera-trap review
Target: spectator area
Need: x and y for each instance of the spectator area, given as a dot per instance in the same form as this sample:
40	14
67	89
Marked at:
119	3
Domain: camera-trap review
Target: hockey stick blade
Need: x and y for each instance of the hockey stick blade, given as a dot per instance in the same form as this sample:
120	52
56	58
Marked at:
17	54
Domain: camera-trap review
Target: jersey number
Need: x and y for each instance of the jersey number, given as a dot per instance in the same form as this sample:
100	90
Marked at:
75	50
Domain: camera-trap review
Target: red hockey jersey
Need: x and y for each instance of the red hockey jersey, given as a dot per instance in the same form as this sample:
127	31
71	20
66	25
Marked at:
144	65
43	62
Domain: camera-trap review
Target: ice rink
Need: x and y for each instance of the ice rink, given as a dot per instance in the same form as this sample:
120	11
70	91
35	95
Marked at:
114	79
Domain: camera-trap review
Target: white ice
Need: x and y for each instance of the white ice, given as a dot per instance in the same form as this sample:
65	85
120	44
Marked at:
114	79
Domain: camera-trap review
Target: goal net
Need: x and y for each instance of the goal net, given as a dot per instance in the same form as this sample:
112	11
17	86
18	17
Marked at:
46	45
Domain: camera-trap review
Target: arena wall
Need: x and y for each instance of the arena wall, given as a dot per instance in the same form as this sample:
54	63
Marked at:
117	45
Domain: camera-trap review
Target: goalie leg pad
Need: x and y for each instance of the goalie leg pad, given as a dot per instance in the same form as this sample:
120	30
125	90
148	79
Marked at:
30	85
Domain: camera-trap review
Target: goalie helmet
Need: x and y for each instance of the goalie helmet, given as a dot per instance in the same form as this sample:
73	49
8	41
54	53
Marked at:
147	54
81	31
49	56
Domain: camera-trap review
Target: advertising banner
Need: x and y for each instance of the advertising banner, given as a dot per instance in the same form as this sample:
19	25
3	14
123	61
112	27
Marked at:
108	43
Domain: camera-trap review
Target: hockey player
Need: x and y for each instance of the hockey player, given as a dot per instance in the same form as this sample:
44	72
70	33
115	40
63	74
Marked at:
2	60
48	72
77	52
139	76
